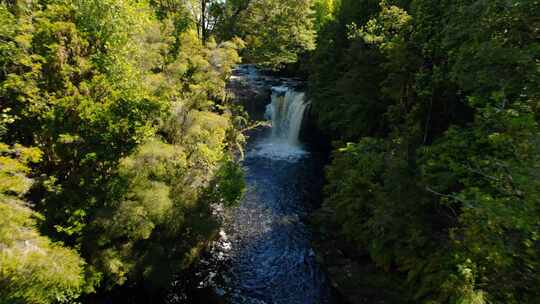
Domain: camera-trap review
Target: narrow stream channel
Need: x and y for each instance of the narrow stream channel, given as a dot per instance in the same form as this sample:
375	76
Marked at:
263	254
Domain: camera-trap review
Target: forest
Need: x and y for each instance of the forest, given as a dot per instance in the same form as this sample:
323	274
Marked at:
119	136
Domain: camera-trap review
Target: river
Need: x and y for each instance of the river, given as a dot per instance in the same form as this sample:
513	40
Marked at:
263	254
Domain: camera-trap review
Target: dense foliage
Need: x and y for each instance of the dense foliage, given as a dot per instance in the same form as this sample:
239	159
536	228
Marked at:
118	136
32	268
276	33
132	136
433	107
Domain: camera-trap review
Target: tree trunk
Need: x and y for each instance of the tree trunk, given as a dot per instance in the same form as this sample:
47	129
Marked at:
203	25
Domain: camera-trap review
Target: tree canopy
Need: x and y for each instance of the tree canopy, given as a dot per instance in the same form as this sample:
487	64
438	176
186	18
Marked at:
131	138
434	112
118	137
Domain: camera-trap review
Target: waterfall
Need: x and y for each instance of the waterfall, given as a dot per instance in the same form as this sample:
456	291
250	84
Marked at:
287	113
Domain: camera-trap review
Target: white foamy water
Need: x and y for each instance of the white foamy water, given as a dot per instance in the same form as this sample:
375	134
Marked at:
286	111
277	150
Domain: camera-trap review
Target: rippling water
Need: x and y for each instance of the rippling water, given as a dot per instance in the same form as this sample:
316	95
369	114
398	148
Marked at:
264	253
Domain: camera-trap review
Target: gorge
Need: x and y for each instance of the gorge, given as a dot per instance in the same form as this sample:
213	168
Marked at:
263	253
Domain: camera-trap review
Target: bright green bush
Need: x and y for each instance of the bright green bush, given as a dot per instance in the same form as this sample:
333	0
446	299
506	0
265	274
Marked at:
131	114
33	269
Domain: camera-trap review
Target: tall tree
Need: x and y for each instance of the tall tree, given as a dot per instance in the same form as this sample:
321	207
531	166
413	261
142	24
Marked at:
276	32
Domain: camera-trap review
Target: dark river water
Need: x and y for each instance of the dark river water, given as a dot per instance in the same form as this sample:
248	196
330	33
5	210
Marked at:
270	257
264	254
